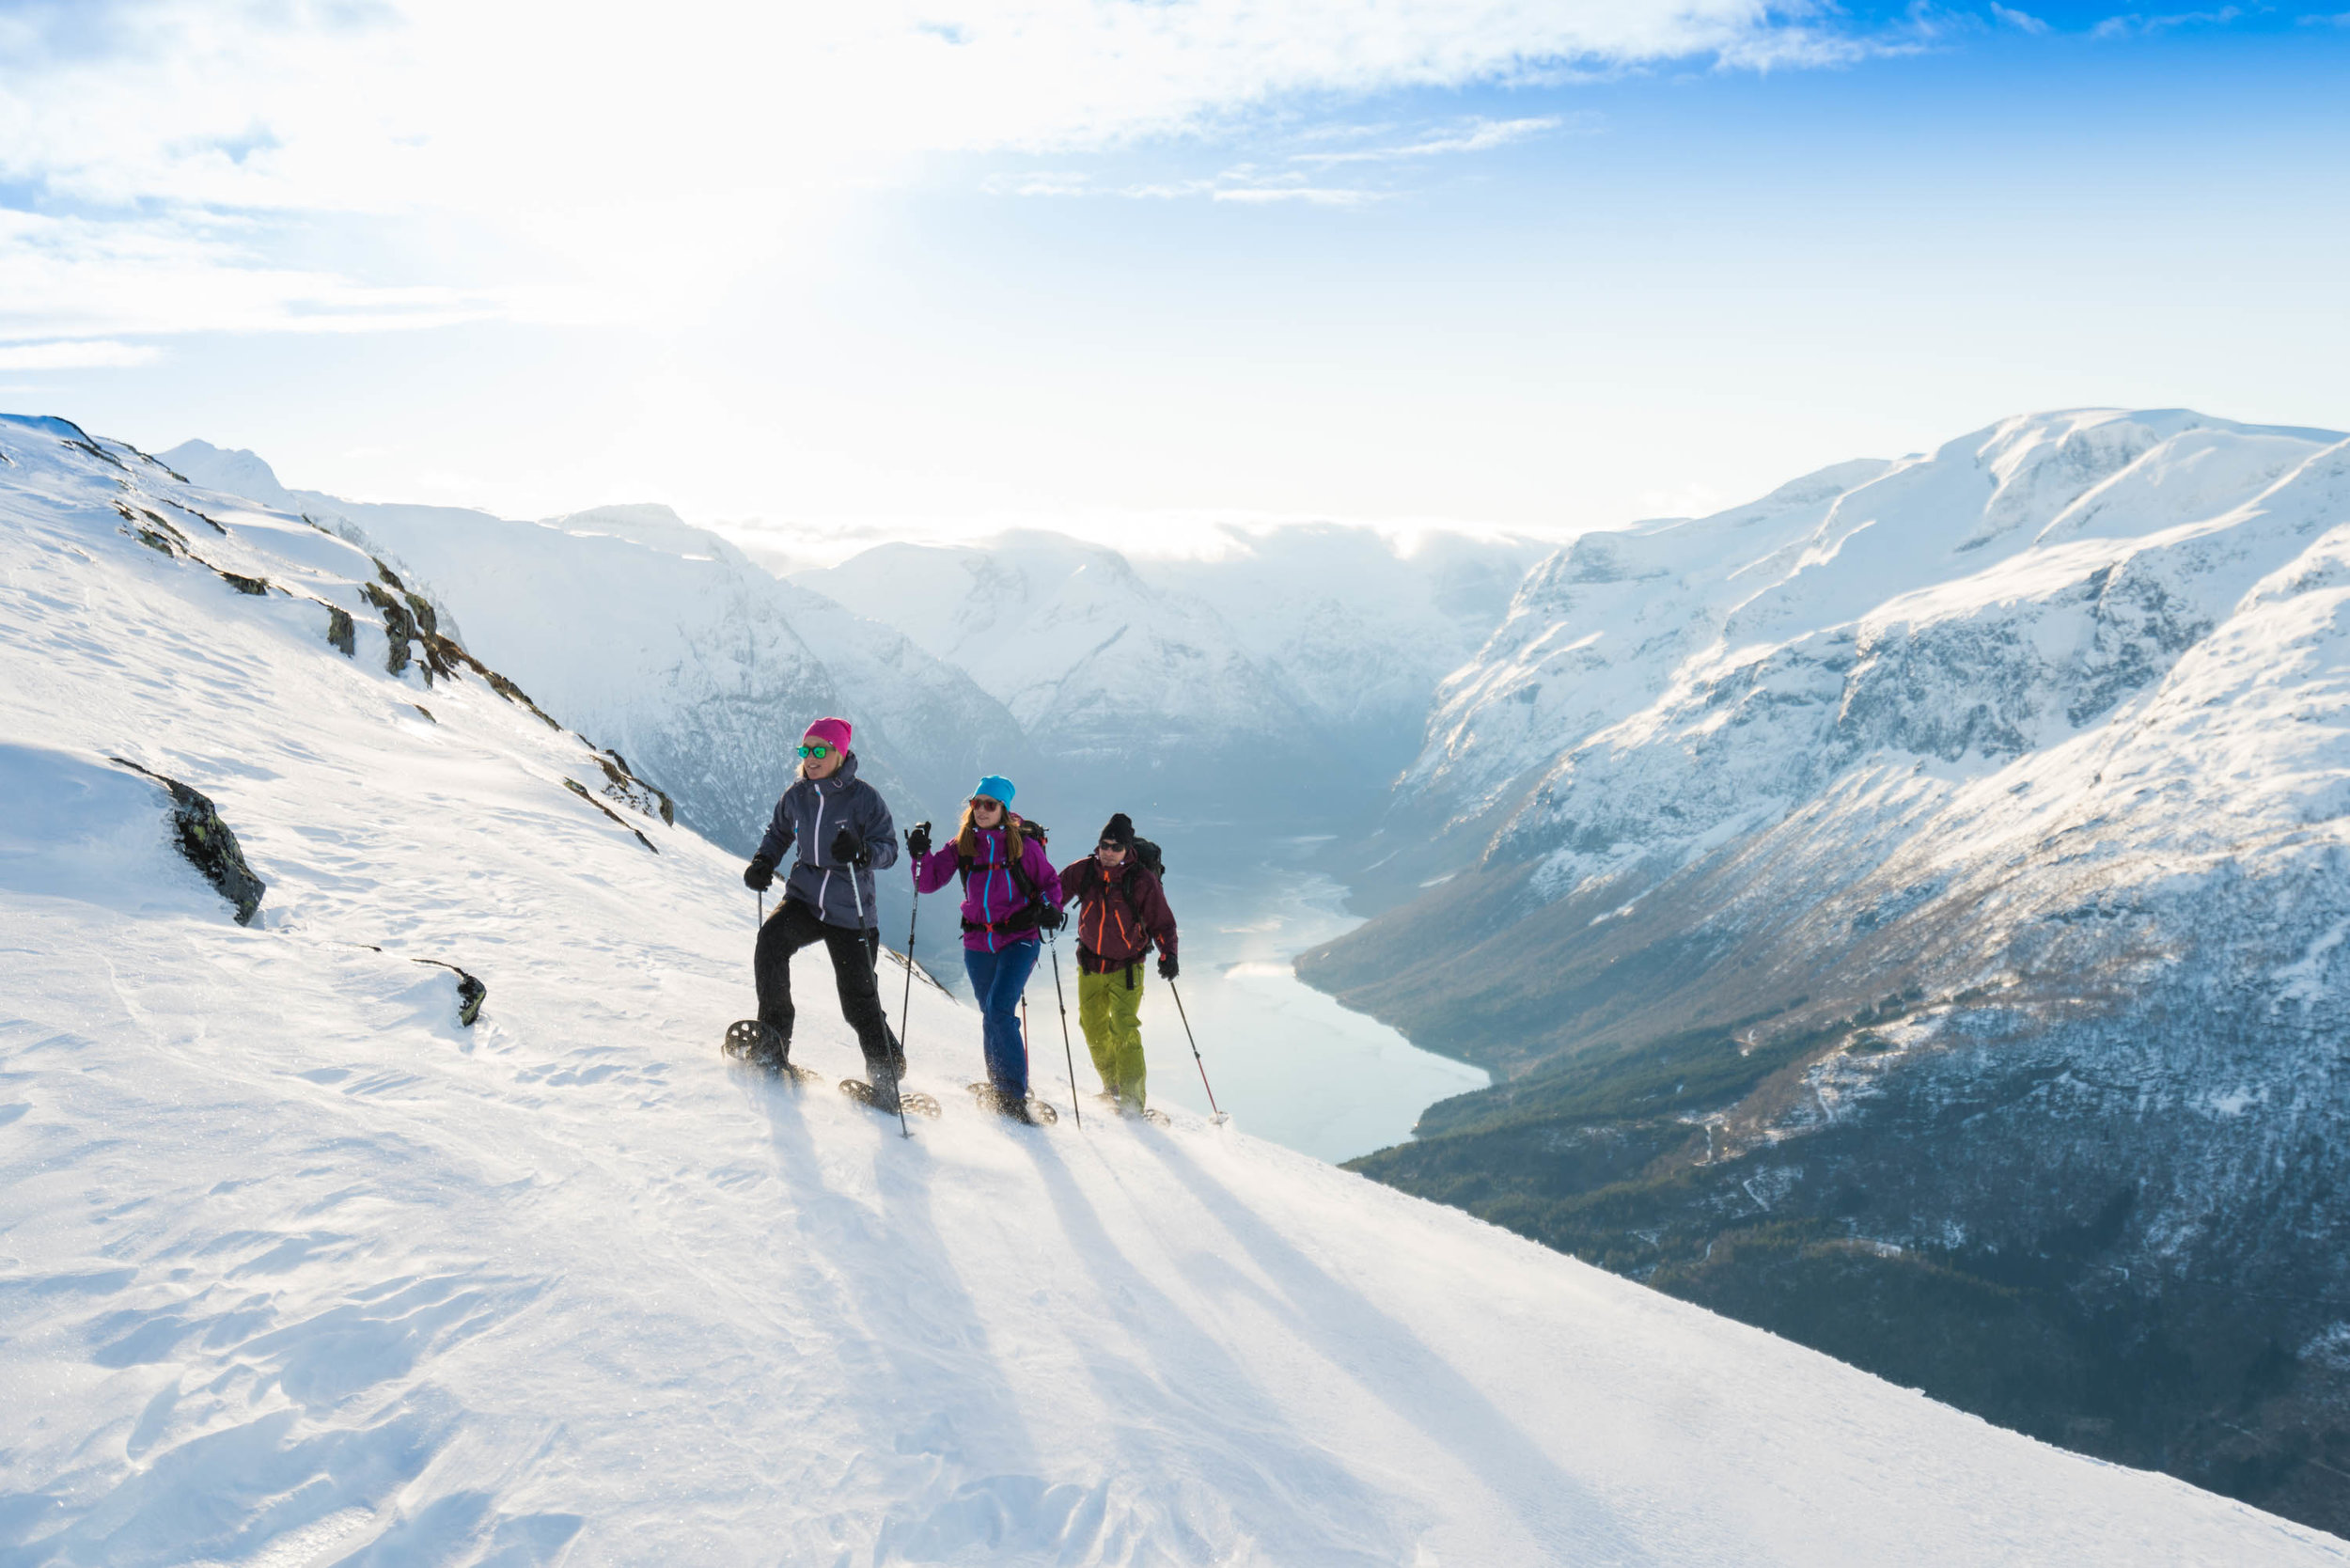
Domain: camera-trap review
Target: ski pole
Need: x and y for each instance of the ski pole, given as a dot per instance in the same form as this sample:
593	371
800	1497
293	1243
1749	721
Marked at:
905	1003
858	893
1195	1049
1067	1050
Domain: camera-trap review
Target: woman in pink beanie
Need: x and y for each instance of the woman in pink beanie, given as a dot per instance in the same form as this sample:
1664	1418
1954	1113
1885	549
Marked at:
844	833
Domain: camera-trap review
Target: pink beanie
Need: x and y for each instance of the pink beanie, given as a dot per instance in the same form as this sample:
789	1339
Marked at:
832	731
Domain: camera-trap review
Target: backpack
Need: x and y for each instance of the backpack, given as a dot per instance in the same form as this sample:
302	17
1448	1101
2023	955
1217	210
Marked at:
1148	857
1026	918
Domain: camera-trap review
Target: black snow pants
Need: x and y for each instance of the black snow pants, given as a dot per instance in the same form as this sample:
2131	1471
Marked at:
794	926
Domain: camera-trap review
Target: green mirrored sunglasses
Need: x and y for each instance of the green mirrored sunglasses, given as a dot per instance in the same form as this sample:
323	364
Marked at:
819	751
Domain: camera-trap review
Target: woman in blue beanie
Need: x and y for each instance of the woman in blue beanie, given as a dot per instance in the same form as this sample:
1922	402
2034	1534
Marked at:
1010	891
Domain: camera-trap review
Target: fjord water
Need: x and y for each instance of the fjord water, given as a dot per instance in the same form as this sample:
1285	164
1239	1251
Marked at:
1288	1063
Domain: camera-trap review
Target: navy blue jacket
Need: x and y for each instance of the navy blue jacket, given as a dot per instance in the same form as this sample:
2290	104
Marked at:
811	812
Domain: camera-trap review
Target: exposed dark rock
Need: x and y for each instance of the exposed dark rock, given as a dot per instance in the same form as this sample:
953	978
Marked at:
513	693
623	785
425	711
456	658
422	609
254	586
471	992
341	632
86	444
581	791
399	627
209	846
213	522
144	526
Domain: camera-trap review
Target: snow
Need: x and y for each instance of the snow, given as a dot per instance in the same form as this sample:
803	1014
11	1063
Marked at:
1996	600
296	1269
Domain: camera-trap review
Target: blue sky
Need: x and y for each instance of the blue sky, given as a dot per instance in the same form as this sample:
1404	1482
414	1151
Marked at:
1115	266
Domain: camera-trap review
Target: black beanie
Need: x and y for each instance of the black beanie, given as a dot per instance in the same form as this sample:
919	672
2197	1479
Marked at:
1119	831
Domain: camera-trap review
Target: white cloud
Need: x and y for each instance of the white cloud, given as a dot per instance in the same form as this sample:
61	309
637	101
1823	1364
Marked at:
1476	135
2021	20
102	354
1314	196
152	275
600	160
2133	24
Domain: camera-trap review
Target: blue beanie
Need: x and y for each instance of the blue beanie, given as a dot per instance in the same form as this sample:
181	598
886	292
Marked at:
995	787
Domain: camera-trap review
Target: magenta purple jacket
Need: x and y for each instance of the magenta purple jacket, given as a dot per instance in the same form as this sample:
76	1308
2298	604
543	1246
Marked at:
995	914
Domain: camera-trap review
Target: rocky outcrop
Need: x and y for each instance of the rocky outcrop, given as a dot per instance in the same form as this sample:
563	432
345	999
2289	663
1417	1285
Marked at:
399	627
581	791
209	846
625	786
471	992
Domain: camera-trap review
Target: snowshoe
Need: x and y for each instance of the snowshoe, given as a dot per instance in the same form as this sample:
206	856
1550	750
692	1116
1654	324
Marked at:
1035	1112
1112	1104
914	1102
758	1044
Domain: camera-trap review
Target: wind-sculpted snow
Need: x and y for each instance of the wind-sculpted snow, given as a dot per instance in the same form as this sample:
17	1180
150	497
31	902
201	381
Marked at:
295	1268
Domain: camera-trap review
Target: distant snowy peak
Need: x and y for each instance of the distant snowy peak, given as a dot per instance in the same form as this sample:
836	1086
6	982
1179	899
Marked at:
232	473
1772	632
1303	652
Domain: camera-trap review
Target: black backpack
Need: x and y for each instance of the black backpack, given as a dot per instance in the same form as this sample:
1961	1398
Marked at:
1147	855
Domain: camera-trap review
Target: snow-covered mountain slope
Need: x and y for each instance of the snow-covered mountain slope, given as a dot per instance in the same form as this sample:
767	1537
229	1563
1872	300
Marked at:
1986	600
667	642
296	1268
1985	854
1290	668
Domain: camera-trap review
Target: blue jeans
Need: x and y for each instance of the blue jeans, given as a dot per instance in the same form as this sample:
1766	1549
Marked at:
996	981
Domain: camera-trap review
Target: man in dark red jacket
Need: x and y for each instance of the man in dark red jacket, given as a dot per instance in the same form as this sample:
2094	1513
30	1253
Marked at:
1122	912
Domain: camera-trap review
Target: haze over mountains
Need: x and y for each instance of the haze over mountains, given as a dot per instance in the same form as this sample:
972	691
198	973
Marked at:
306	1262
1195	689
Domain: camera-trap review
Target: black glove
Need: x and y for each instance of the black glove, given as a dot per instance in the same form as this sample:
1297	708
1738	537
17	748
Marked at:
918	838
1167	966
1049	918
847	848
759	874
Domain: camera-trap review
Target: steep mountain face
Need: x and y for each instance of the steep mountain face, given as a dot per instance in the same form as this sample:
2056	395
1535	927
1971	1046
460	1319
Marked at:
315	1256
1930	945
1207	686
696	662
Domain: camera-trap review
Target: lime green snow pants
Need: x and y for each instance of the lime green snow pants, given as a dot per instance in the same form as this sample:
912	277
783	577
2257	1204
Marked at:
1112	1017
